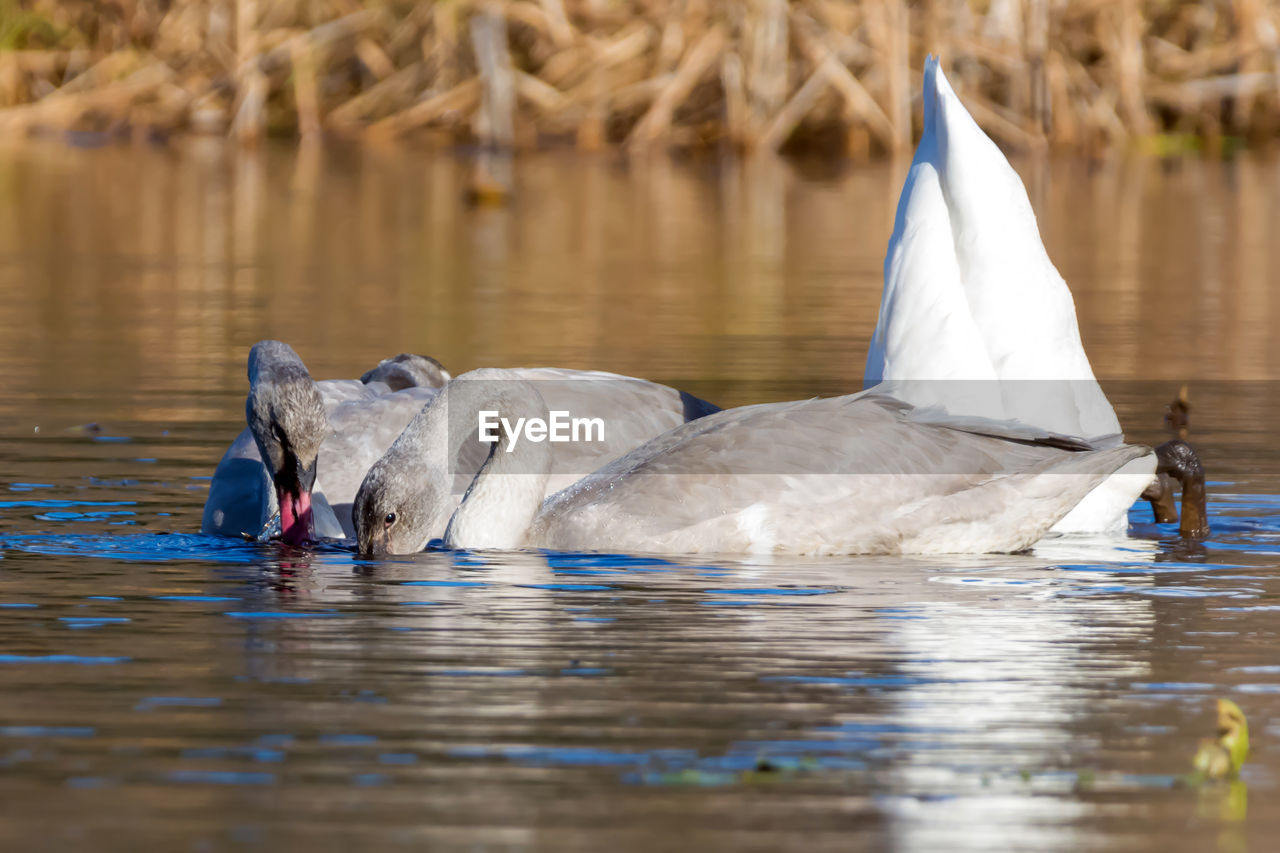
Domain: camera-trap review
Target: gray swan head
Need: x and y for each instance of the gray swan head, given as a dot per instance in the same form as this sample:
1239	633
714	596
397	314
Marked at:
286	415
396	514
405	498
407	370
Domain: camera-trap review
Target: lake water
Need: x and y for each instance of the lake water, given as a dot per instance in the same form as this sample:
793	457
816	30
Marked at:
163	688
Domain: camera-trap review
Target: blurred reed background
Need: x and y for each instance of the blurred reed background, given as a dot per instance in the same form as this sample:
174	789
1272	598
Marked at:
838	76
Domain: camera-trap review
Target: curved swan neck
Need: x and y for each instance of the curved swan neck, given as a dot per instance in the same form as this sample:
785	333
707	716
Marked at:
286	415
420	453
411	480
507	491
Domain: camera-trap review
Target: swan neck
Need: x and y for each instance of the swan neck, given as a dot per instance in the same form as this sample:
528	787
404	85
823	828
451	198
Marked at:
507	491
415	470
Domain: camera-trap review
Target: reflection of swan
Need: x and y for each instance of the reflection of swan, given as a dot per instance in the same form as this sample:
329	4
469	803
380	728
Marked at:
1003	674
855	474
974	316
320	438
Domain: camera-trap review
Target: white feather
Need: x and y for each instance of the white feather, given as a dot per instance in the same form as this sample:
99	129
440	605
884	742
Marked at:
975	320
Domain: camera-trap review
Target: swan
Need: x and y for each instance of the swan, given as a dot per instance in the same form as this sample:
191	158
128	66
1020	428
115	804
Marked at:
975	319
319	439
859	474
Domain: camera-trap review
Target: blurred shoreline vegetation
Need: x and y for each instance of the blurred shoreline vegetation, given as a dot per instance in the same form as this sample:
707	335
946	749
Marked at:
835	76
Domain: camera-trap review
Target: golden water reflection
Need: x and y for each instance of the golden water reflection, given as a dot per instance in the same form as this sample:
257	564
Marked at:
150	270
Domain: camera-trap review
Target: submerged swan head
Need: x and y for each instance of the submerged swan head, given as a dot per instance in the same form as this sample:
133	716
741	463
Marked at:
409	496
286	415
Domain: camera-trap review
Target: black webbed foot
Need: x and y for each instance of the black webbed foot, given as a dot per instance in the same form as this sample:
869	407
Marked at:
1177	460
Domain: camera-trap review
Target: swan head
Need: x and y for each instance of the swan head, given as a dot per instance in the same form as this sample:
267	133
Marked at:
407	370
286	415
396	512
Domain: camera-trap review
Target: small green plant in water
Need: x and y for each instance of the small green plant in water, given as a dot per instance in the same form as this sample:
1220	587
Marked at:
1221	757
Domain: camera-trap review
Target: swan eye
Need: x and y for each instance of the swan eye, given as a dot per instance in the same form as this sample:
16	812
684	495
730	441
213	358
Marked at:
390	519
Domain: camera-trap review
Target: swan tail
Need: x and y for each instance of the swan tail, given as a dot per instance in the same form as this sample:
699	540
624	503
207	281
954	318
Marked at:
925	329
930	94
1019	304
1011	513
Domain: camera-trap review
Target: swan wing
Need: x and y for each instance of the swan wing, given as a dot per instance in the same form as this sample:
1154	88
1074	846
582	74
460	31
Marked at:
241	500
1006	429
360	431
617	413
840	475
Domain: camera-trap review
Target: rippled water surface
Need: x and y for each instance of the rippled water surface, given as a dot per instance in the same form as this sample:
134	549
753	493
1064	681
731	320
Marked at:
164	689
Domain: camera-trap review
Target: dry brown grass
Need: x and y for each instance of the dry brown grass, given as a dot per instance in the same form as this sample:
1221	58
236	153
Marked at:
1083	74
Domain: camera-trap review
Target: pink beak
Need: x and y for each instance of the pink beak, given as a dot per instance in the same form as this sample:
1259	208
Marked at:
297	525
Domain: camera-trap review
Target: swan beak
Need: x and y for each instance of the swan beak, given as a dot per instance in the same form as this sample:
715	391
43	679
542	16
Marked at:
374	545
293	491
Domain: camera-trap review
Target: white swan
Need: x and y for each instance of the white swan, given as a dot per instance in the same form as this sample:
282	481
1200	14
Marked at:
319	439
975	319
854	474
